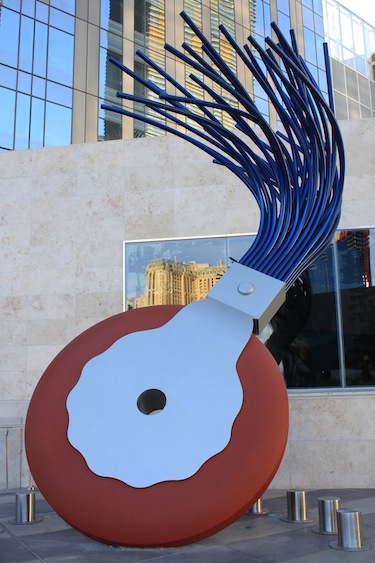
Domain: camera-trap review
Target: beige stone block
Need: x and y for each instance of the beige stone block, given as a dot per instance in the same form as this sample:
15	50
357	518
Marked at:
92	253
13	331
58	281
14	307
45	257
13	358
39	357
99	280
141	202
201	199
51	306
158	225
98	304
54	160
332	463
14	283
194	223
17	385
282	479
50	332
14	189
340	418
239	222
15	212
16	164
54	185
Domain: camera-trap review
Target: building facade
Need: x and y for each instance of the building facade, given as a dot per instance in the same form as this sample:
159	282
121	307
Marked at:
55	71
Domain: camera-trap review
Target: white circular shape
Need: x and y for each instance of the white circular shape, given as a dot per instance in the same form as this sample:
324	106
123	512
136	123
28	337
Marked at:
245	288
196	373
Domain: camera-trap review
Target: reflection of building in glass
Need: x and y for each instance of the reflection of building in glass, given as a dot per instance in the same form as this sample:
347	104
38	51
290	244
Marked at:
169	282
55	71
355	265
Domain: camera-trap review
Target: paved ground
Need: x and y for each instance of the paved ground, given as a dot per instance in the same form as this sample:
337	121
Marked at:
252	539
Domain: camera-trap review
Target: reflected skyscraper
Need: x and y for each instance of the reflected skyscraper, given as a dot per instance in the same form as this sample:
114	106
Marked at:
55	71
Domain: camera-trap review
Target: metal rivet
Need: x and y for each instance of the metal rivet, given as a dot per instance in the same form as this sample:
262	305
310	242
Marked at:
245	288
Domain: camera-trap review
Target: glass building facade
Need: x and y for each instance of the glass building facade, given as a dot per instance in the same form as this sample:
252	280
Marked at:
55	71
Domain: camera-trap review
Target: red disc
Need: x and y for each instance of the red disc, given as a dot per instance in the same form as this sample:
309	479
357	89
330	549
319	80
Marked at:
169	513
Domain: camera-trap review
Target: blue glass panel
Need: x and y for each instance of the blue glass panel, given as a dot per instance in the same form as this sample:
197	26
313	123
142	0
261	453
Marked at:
7	103
310	49
40	49
68	6
308	18
26	44
283	22
319	25
24	82
60	57
13	4
58	125
22	121
318	7
62	21
283	6
59	94
9	31
37	123
39	87
28	8
259	20
8	77
41	12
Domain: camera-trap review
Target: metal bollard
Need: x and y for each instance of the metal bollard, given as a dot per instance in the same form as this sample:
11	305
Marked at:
25	509
349	525
327	507
257	508
297	509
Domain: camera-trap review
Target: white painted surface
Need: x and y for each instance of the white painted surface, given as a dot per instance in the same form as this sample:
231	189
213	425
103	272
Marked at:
192	360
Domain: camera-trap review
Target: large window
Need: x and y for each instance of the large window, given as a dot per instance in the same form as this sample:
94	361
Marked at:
322	337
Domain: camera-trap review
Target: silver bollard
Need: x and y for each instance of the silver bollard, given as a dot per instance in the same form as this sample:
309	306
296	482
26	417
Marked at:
327	507
25	509
257	508
297	508
349	526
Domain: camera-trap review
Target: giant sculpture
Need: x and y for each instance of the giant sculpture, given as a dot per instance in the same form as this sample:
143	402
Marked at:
219	420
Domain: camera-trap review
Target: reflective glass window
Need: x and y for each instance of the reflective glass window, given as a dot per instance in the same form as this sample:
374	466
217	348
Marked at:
310	46
68	6
24	82
283	22
41	12
22	121
37	123
28	8
112	10
7	104
26	44
39	87
283	6
13	4
60	57
58	125
318	25
8	77
59	94
366	112
40	49
338	76
9	32
62	21
308	18
318	7
356	252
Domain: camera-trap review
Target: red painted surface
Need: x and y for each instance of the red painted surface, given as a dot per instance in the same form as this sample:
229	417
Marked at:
169	513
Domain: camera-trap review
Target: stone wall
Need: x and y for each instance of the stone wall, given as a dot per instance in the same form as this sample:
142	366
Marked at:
65	212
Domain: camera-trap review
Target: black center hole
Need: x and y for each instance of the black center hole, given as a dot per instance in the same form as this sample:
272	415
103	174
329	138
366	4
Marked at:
151	401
